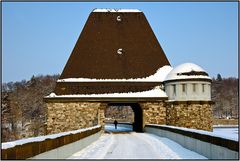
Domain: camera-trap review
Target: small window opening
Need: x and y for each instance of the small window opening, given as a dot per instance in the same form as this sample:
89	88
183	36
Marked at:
194	87
183	87
119	18
174	89
120	51
203	88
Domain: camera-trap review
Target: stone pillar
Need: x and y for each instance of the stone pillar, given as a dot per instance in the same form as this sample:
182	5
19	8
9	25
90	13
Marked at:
67	116
101	114
154	113
190	114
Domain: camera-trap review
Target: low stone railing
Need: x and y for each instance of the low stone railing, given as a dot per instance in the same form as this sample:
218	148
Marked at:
31	147
202	142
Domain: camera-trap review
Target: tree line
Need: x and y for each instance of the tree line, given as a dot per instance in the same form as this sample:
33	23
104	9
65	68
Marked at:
225	96
23	111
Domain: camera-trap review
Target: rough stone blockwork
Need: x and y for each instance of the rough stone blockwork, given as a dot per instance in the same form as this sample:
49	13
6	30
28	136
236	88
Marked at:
66	116
154	113
101	114
197	116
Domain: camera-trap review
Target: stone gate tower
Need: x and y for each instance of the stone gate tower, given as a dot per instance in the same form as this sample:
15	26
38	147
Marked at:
116	60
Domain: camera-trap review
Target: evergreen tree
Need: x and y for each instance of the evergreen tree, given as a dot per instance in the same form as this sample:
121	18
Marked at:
219	77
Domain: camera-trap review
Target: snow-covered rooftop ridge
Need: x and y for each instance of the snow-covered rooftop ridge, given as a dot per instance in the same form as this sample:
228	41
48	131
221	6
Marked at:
156	93
115	10
159	76
11	144
187	71
197	131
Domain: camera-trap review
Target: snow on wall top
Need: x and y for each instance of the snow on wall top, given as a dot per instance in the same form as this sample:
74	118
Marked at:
115	10
159	76
11	144
198	131
156	92
187	71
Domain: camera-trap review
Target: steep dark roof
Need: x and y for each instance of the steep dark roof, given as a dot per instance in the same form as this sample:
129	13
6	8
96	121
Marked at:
95	54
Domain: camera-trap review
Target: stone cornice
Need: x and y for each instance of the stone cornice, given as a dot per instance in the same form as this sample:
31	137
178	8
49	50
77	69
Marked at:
190	102
190	79
110	99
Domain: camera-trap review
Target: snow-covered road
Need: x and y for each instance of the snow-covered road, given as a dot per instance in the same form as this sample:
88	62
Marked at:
132	145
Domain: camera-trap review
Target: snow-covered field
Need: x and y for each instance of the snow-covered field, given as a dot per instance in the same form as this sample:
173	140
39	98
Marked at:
229	132
127	144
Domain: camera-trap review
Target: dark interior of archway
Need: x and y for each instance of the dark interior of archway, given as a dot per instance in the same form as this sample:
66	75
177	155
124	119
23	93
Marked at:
138	115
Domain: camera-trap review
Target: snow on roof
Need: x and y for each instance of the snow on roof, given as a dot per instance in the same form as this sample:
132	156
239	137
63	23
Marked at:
159	76
156	92
199	131
187	71
11	144
115	10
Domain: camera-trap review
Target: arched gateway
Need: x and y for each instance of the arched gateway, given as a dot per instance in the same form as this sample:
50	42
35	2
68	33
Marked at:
116	60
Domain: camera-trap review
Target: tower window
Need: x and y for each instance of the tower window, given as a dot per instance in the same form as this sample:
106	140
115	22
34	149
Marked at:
203	88
194	87
174	89
183	87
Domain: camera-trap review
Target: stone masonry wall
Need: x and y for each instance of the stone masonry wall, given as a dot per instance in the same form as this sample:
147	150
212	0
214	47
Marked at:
154	113
66	116
190	115
101	114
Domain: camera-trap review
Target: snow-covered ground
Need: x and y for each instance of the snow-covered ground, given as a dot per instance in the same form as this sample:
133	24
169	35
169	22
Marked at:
111	128
134	145
228	132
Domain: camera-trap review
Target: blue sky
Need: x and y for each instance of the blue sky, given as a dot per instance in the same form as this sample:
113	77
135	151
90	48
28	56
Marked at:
38	37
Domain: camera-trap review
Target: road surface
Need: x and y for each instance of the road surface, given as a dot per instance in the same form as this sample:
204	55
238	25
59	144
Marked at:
123	144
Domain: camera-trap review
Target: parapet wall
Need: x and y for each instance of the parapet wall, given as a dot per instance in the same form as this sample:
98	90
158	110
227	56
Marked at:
202	142
54	146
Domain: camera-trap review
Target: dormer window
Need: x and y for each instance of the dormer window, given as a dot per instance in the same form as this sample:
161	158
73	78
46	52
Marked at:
120	51
119	18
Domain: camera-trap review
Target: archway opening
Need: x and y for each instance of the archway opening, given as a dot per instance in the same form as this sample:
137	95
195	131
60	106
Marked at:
125	113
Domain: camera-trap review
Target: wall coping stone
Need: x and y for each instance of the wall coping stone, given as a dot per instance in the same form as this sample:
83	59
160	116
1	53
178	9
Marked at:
110	99
189	102
224	142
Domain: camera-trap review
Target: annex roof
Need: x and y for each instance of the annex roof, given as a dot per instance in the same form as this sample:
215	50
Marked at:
187	71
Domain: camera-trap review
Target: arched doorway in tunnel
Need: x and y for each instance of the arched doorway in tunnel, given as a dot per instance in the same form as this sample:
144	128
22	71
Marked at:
125	112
